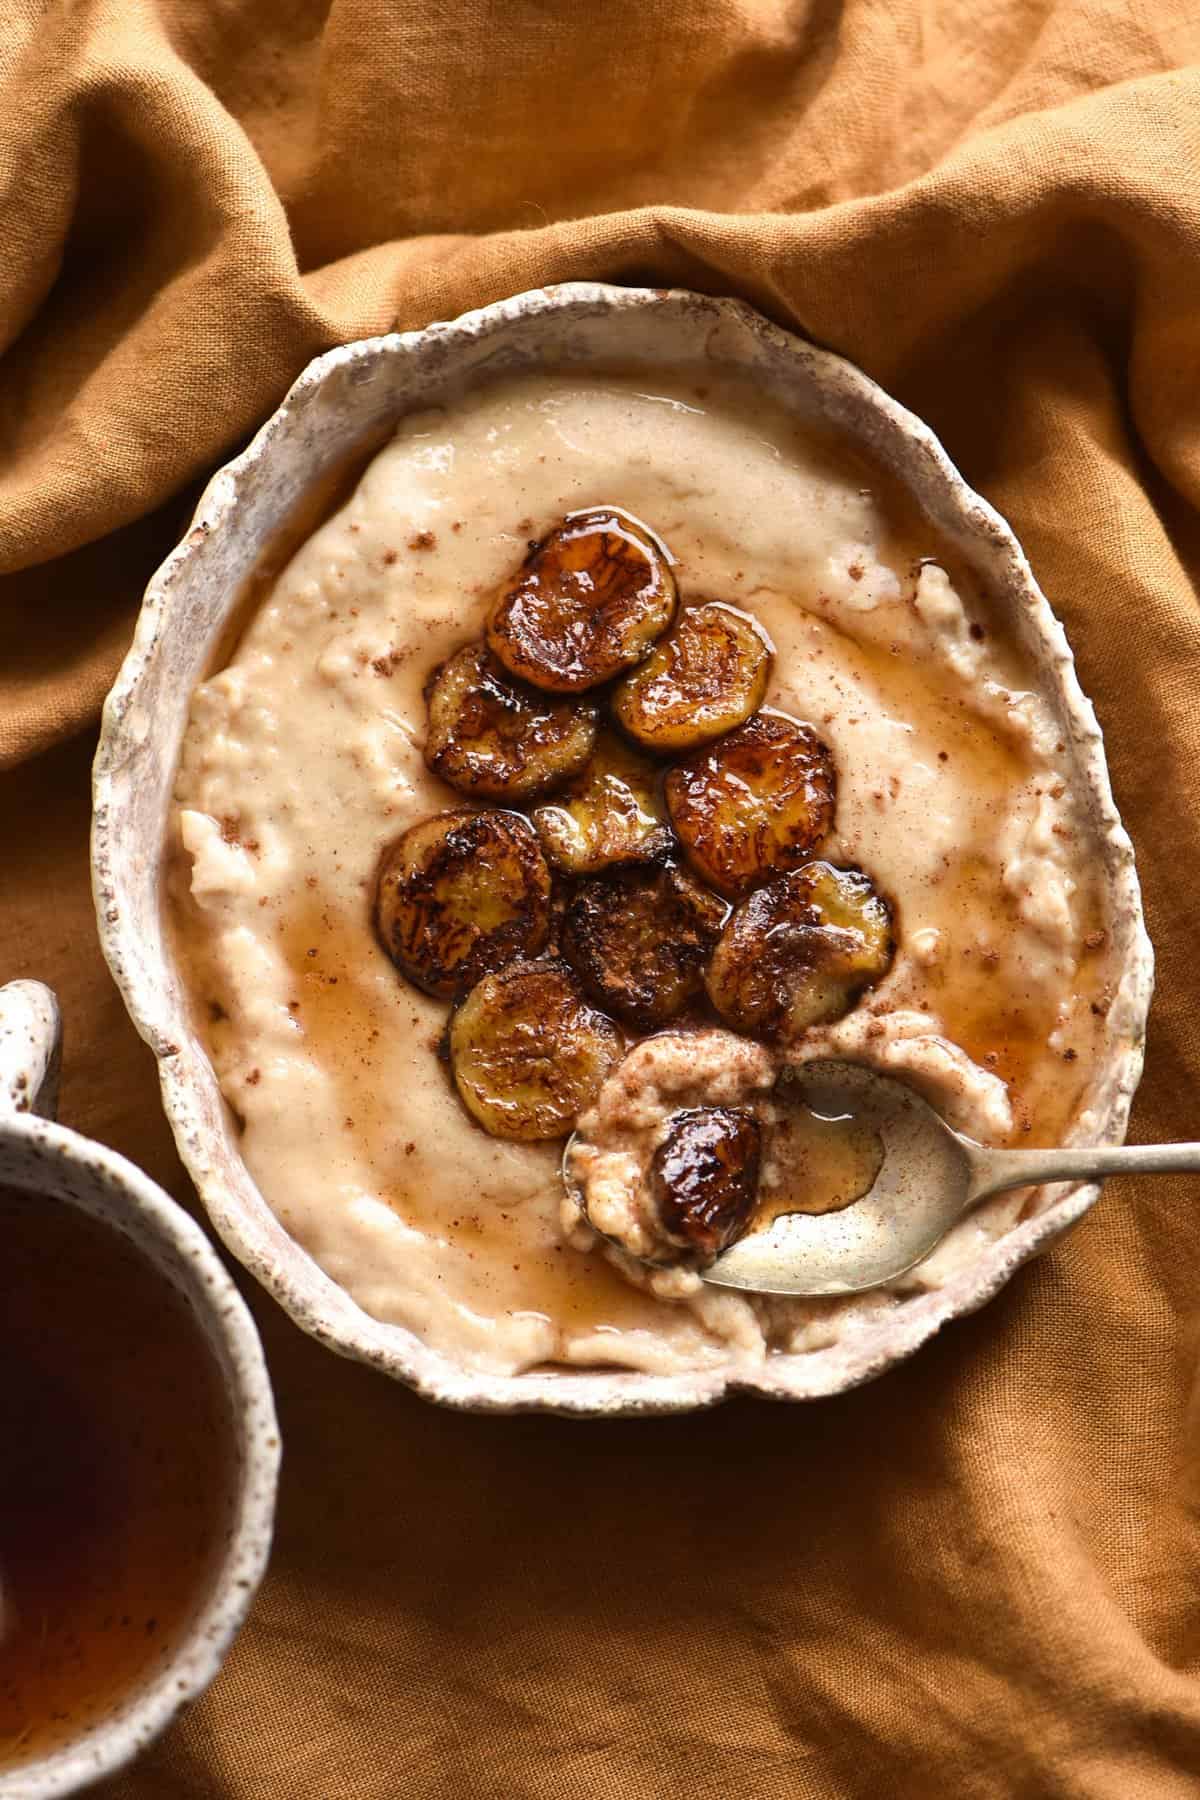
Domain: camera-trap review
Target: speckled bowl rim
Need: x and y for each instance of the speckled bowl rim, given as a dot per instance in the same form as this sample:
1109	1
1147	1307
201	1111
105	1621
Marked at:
67	1169
312	1299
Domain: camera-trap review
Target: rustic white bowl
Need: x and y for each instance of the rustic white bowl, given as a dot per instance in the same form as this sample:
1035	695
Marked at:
342	401
64	1169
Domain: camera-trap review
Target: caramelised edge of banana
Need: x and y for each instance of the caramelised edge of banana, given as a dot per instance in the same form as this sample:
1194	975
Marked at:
610	813
702	681
704	1178
492	736
460	894
800	951
589	601
639	937
754	804
529	1052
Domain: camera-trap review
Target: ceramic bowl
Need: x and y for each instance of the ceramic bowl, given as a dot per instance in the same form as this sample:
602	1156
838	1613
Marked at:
63	1168
345	400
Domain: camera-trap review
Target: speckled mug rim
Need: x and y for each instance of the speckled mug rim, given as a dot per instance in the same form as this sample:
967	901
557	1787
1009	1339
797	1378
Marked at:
62	1167
144	717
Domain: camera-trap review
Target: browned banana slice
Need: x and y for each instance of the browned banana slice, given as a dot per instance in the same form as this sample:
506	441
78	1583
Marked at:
460	894
588	603
800	951
754	804
640	939
493	736
704	1177
702	681
528	1052
610	813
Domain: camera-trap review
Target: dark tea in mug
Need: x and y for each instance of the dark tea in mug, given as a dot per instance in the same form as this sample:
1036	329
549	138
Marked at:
116	1484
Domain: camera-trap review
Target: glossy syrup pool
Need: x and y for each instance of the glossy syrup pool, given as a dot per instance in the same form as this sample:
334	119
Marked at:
115	1472
823	1157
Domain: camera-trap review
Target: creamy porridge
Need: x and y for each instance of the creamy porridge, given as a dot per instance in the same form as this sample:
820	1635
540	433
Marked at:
305	757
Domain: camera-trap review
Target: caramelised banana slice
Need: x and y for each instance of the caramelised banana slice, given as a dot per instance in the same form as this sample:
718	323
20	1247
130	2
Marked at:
754	804
495	737
704	1177
702	681
800	951
461	894
589	602
640	938
528	1051
608	814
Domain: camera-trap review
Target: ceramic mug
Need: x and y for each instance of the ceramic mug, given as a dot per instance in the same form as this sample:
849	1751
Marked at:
62	1168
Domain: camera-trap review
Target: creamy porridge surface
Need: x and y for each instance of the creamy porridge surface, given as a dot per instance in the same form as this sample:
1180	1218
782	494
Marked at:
303	756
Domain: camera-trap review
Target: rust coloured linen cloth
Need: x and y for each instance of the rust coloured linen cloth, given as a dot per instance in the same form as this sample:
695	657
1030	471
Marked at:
977	1576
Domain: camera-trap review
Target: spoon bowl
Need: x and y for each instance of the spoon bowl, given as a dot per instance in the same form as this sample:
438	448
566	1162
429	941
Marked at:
919	1192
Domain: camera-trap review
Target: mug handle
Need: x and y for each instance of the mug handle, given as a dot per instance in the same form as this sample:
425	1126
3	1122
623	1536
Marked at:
30	1048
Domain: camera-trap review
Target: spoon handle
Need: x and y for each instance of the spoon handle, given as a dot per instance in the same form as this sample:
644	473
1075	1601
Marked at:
994	1170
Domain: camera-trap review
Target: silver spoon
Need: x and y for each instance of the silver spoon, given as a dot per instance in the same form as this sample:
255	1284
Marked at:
929	1177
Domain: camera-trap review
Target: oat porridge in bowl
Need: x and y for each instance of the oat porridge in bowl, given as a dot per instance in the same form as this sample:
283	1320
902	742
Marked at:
625	706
